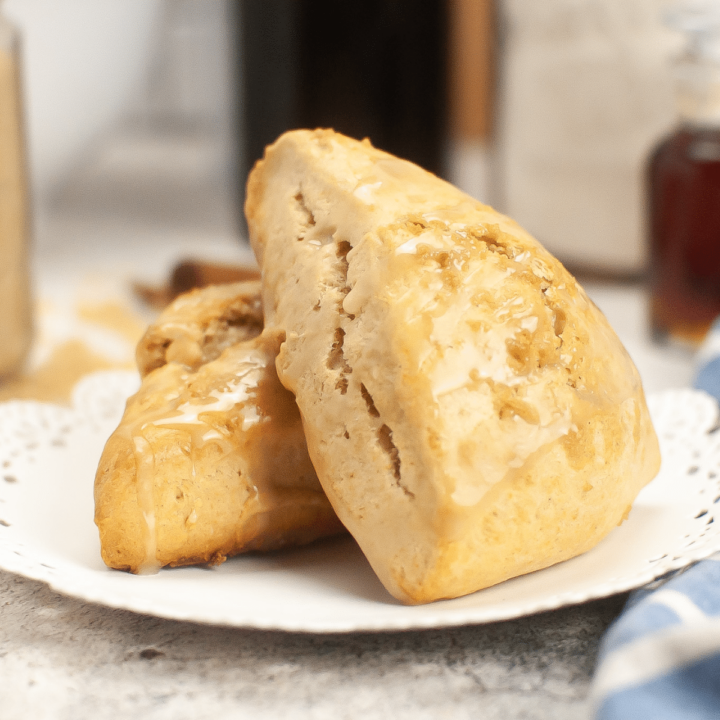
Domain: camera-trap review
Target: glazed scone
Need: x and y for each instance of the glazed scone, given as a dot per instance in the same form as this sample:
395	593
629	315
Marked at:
208	462
469	411
197	326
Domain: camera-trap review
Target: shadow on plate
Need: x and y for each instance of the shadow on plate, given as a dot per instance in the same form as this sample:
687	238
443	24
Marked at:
335	563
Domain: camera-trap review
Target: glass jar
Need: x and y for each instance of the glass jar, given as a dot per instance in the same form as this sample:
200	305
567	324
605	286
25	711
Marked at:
684	189
15	300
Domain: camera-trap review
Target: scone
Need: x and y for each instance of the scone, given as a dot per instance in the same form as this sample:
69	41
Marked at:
209	459
469	411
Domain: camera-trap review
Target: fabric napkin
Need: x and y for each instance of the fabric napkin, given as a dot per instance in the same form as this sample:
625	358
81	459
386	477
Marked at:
661	658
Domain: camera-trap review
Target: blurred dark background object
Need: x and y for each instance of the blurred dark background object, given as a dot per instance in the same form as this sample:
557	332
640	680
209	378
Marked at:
190	274
376	69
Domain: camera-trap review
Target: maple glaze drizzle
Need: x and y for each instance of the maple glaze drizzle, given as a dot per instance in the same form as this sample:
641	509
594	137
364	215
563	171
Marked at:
145	469
191	418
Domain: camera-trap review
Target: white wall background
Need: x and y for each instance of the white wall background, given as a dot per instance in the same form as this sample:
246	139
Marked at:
84	61
95	70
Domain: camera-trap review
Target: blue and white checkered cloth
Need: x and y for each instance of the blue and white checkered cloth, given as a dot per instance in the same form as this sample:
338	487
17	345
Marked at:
660	659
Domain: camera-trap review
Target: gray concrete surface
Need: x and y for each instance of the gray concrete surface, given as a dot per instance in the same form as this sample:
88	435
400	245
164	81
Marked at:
63	659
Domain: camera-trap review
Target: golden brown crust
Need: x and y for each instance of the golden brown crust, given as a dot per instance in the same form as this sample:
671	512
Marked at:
208	461
197	326
469	411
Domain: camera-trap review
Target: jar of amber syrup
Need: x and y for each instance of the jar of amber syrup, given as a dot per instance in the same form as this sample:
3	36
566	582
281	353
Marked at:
684	188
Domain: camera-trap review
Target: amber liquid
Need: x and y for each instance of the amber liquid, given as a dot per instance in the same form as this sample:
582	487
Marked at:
684	204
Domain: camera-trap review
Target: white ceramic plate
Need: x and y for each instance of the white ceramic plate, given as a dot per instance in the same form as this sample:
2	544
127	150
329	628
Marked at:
48	456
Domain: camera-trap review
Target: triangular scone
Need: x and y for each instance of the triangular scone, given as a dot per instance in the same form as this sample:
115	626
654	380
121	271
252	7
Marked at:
469	411
209	459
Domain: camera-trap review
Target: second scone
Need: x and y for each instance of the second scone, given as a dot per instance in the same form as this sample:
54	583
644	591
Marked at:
469	411
209	459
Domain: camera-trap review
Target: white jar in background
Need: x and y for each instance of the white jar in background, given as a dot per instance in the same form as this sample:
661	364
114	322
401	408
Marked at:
15	299
584	95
